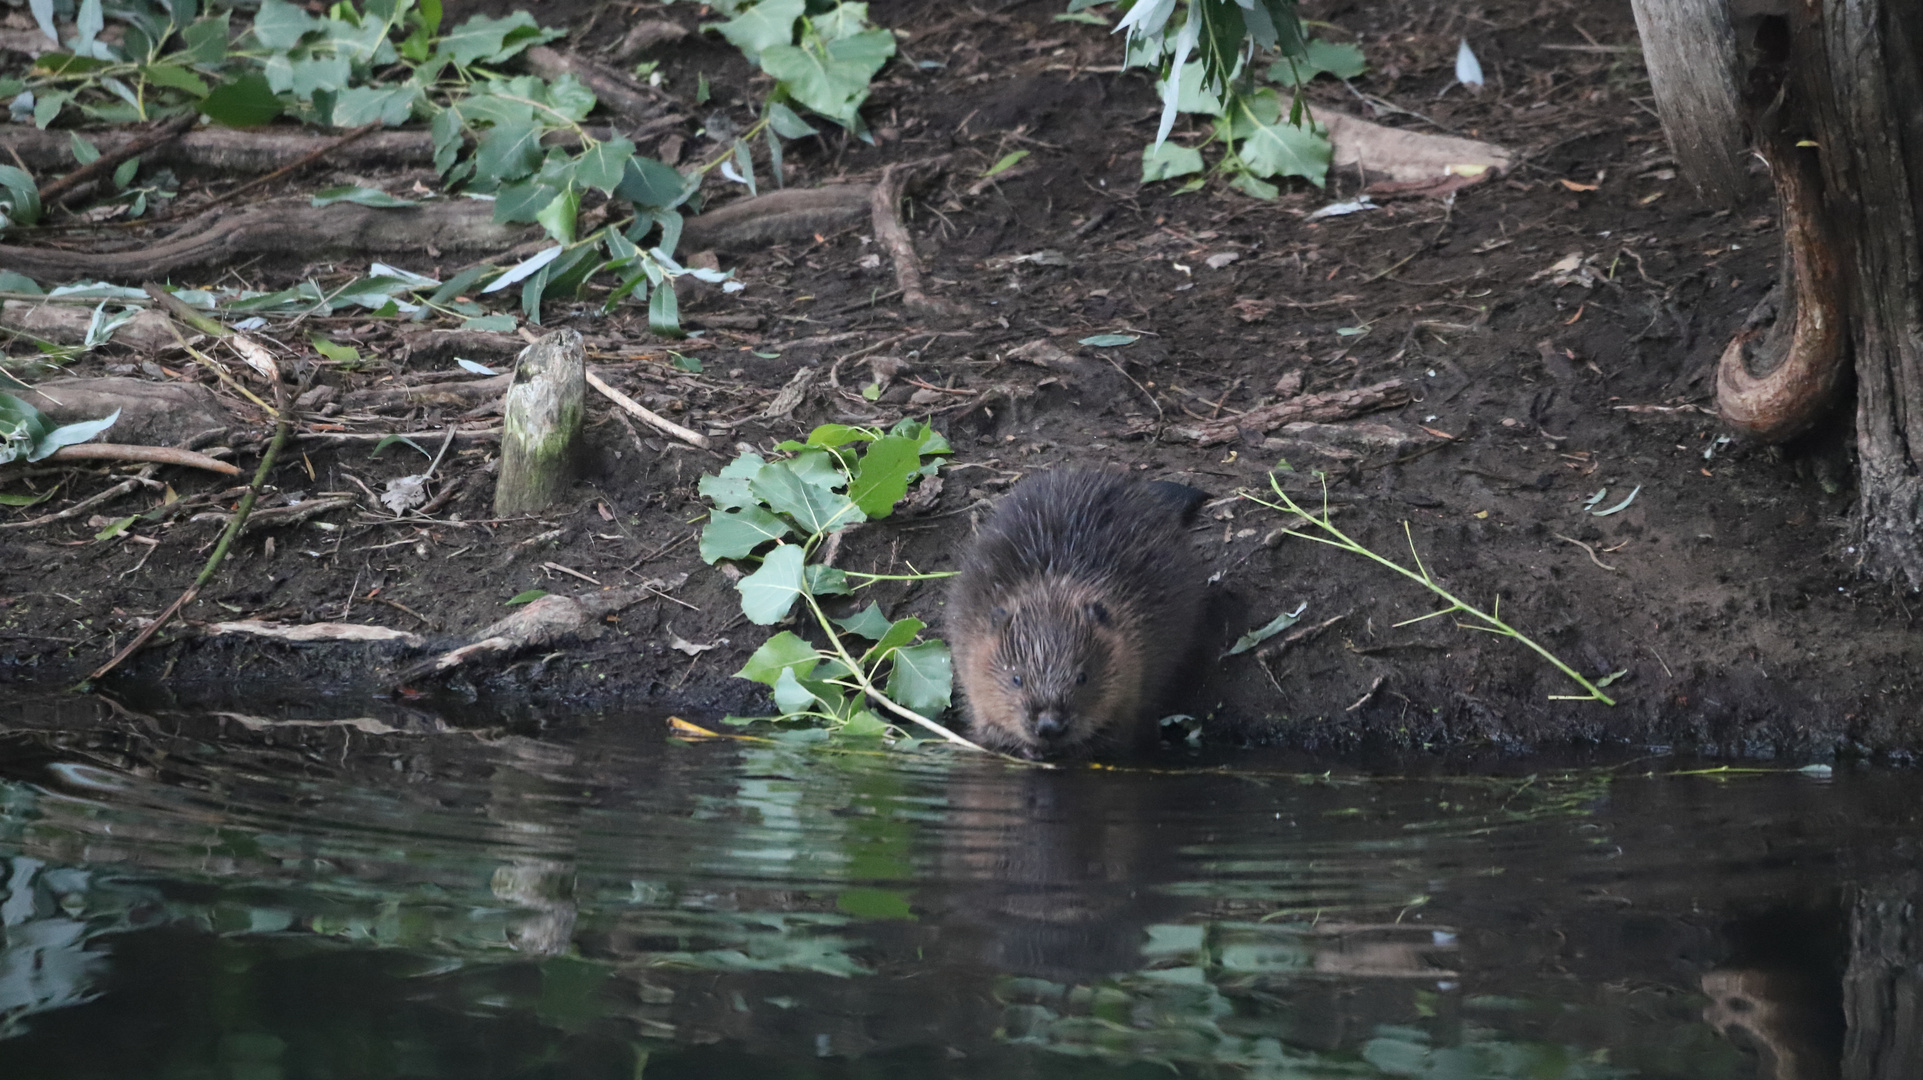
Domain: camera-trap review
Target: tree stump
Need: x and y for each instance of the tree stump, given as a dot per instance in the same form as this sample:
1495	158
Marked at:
541	425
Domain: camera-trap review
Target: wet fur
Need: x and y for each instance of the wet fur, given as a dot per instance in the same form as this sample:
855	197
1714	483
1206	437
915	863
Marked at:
1085	586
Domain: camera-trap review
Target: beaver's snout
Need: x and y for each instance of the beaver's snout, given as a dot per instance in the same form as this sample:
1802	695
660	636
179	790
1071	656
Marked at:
1050	724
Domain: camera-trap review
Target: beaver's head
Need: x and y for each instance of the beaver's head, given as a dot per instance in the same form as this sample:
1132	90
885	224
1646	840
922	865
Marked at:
1062	675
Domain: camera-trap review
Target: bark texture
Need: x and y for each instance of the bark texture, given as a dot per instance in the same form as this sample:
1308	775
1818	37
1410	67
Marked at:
542	425
1690	49
1883	987
1864	87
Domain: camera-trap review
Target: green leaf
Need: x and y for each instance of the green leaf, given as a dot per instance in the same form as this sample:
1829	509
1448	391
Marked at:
390	106
84	152
11	281
863	725
495	324
1169	160
175	77
922	678
930	440
782	652
729	487
205	41
814	509
881	478
664	313
243	102
831	81
603	165
1266	631
768	23
735	534
508	151
1007	162
340	354
481	38
348	193
844	20
116	528
869	622
527	597
124	173
19	195
898	634
768	594
70	434
786	123
819	468
559	215
1109	341
279	25
21	427
827	580
1248	184
790	696
28	500
1270	146
1344	61
649	184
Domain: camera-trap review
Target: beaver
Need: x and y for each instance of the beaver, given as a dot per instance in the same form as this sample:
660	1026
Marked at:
1075	607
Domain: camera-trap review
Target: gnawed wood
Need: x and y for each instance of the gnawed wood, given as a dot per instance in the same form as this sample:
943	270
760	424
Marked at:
1689	47
541	425
315	632
1320	408
779	217
542	622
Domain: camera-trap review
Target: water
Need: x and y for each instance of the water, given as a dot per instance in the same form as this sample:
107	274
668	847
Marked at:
189	896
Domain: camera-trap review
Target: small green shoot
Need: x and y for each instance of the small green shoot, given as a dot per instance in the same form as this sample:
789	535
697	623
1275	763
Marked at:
1486	621
795	502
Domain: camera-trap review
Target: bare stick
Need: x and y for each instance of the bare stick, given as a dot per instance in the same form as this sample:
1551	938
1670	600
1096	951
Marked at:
86	504
641	413
294	166
165	455
108	160
885	207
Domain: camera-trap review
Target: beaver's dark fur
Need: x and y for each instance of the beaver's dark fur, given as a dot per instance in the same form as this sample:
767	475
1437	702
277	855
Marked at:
1075	607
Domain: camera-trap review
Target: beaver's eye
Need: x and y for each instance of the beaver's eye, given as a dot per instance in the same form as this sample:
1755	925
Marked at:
1016	679
1081	678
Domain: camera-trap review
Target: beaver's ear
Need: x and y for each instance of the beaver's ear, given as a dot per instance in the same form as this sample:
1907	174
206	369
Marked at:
1099	613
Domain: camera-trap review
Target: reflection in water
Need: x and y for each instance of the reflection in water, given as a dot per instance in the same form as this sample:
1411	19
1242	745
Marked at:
307	902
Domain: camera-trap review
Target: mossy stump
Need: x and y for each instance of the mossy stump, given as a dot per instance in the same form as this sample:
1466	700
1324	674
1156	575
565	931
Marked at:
542	424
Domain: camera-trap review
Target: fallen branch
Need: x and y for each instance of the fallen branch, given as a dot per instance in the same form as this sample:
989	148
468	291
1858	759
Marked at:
466	435
779	217
653	420
145	476
298	164
108	160
459	394
164	455
282	429
542	622
309	632
302	233
885	207
1320	408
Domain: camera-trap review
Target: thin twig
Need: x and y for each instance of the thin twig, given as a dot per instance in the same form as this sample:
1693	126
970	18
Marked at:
1586	548
109	160
297	165
164	455
659	423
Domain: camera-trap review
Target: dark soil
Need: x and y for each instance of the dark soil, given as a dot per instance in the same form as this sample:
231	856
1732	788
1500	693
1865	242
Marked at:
1725	593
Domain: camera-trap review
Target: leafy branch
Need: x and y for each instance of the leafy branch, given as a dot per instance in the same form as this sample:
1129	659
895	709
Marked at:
799	503
1486	621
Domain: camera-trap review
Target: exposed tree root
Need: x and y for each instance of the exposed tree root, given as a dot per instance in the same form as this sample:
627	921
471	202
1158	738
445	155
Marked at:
885	205
301	233
1320	408
779	217
1775	382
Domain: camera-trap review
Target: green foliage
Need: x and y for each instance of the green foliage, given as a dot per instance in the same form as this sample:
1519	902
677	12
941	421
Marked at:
1207	53
388	62
822	59
27	435
777	513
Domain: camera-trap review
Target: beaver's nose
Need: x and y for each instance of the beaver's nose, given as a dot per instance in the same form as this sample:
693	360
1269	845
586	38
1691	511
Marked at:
1050	723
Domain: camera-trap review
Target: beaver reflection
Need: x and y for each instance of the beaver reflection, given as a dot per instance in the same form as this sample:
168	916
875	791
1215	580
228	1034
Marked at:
1781	993
1056	872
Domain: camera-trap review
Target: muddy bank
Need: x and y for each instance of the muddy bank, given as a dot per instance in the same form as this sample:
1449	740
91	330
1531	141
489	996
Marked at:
1557	340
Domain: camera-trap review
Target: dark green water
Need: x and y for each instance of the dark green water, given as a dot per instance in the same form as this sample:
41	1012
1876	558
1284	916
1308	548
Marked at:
186	897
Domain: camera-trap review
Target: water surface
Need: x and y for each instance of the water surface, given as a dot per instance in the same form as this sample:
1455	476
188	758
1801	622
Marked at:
209	896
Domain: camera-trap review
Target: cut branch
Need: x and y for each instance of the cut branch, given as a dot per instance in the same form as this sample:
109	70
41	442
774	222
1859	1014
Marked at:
885	205
1319	408
164	455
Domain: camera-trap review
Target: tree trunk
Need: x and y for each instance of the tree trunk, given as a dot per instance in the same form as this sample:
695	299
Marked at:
541	424
1860	67
1832	94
